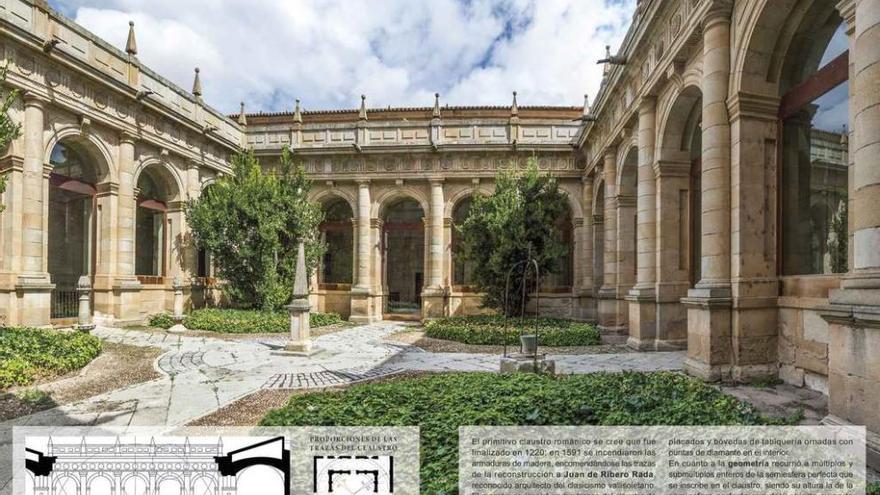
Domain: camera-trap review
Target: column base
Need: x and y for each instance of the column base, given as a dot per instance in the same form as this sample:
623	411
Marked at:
127	304
710	351
363	307
433	303
612	312
33	300
642	319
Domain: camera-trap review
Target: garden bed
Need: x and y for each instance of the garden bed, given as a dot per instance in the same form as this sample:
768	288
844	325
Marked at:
439	404
241	320
489	330
33	354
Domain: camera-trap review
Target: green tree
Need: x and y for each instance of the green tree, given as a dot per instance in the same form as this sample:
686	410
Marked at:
517	221
9	130
251	222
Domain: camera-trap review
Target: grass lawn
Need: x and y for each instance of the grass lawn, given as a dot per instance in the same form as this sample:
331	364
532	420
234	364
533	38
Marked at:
439	404
241	320
31	354
489	329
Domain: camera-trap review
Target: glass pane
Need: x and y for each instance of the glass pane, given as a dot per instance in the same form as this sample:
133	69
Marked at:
814	186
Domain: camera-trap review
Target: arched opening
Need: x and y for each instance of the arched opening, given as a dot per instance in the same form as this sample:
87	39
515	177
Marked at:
599	239
101	484
813	116
204	264
680	192
202	485
135	485
403	248
462	270
337	233
560	280
169	486
627	219
266	479
71	233
68	484
151	227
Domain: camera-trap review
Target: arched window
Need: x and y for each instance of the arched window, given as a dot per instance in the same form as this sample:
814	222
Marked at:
337	232
462	271
150	229
71	224
561	279
814	113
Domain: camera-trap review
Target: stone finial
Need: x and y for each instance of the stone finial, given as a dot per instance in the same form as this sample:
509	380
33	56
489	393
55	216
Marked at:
84	282
362	115
514	109
300	282
586	105
131	46
436	113
242	118
197	85
297	113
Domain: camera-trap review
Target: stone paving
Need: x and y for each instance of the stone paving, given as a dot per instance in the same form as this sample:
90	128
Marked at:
202	374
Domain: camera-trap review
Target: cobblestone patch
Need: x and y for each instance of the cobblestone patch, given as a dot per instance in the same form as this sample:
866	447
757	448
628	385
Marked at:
324	379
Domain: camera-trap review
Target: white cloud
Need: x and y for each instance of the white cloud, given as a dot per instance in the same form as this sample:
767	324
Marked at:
398	52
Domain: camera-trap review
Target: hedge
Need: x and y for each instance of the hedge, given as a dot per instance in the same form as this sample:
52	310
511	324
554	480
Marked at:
489	329
28	354
440	404
240	320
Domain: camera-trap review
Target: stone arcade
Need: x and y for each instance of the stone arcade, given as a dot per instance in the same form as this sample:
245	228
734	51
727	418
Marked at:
724	189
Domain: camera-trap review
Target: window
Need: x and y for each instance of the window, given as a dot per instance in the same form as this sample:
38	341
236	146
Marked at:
814	157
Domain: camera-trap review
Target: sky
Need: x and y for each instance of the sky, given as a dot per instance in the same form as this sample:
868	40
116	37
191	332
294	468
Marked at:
327	53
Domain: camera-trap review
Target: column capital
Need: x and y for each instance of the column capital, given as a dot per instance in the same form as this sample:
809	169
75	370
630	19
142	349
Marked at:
587	179
847	9
32	99
436	180
718	11
127	137
363	183
647	104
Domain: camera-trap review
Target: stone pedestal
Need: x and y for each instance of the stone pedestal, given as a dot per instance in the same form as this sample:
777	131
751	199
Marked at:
177	313
84	290
524	363
300	341
362	307
642	319
34	301
709	339
126	306
433	303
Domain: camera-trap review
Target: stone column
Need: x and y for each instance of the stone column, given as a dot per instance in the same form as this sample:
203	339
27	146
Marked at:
611	308
361	300
854	310
672	179
587	291
34	286
642	307
709	334
434	294
126	288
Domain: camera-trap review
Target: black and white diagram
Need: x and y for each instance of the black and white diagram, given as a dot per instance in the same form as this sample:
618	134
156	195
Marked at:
157	466
353	475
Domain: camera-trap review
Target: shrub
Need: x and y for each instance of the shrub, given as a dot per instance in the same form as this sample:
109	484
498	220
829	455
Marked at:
873	488
161	320
439	404
489	329
241	320
30	353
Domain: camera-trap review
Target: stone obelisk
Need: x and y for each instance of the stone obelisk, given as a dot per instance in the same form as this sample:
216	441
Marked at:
300	340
